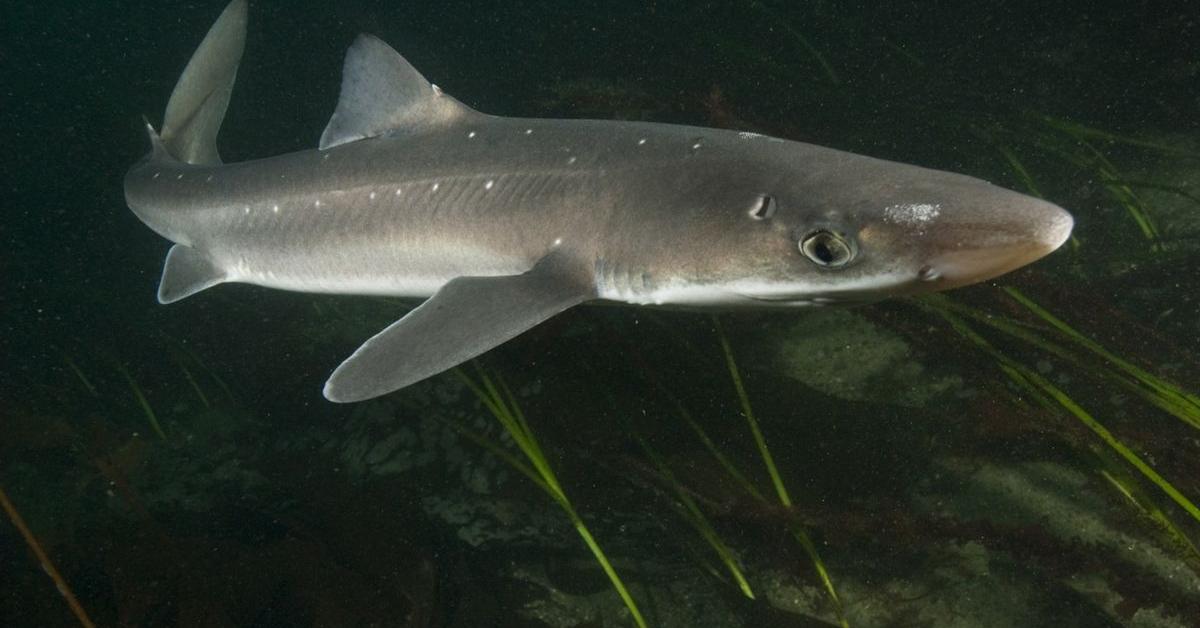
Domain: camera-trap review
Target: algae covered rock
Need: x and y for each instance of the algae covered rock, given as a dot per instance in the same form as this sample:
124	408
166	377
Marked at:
844	355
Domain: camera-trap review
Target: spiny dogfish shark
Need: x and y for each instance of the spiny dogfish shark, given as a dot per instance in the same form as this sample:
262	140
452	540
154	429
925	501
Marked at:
504	222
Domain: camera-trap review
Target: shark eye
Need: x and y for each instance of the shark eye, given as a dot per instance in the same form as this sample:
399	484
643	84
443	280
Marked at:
826	248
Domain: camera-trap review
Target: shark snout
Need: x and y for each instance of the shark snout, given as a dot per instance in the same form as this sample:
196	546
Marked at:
1003	242
1056	227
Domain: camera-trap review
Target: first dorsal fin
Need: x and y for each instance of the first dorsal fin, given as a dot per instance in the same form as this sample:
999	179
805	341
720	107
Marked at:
382	93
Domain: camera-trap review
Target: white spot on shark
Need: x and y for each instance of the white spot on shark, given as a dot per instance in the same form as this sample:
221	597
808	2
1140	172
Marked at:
275	208
246	209
178	176
436	186
397	191
317	203
642	141
911	214
208	179
528	131
571	159
372	195
471	134
156	175
489	184
557	241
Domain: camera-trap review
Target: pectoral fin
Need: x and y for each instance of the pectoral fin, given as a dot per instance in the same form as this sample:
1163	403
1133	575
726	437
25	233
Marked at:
467	317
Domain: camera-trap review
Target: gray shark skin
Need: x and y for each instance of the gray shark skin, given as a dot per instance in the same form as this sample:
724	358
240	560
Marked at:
505	222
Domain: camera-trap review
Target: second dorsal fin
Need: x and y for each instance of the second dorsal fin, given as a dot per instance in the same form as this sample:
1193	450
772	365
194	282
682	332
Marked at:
382	93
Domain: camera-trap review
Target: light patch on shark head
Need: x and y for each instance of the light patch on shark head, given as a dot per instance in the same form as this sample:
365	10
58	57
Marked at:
912	214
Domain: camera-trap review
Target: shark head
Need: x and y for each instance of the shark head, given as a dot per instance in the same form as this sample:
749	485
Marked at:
817	227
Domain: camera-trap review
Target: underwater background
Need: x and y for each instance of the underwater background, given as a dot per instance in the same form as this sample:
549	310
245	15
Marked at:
1020	453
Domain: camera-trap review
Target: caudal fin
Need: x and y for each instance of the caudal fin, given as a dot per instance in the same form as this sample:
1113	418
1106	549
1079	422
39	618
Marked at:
198	104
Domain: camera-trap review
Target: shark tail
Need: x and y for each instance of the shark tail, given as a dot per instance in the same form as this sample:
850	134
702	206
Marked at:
189	134
197	106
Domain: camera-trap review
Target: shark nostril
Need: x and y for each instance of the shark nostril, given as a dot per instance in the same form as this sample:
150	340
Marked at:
928	273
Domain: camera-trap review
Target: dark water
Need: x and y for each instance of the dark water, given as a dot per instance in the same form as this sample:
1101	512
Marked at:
1024	453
